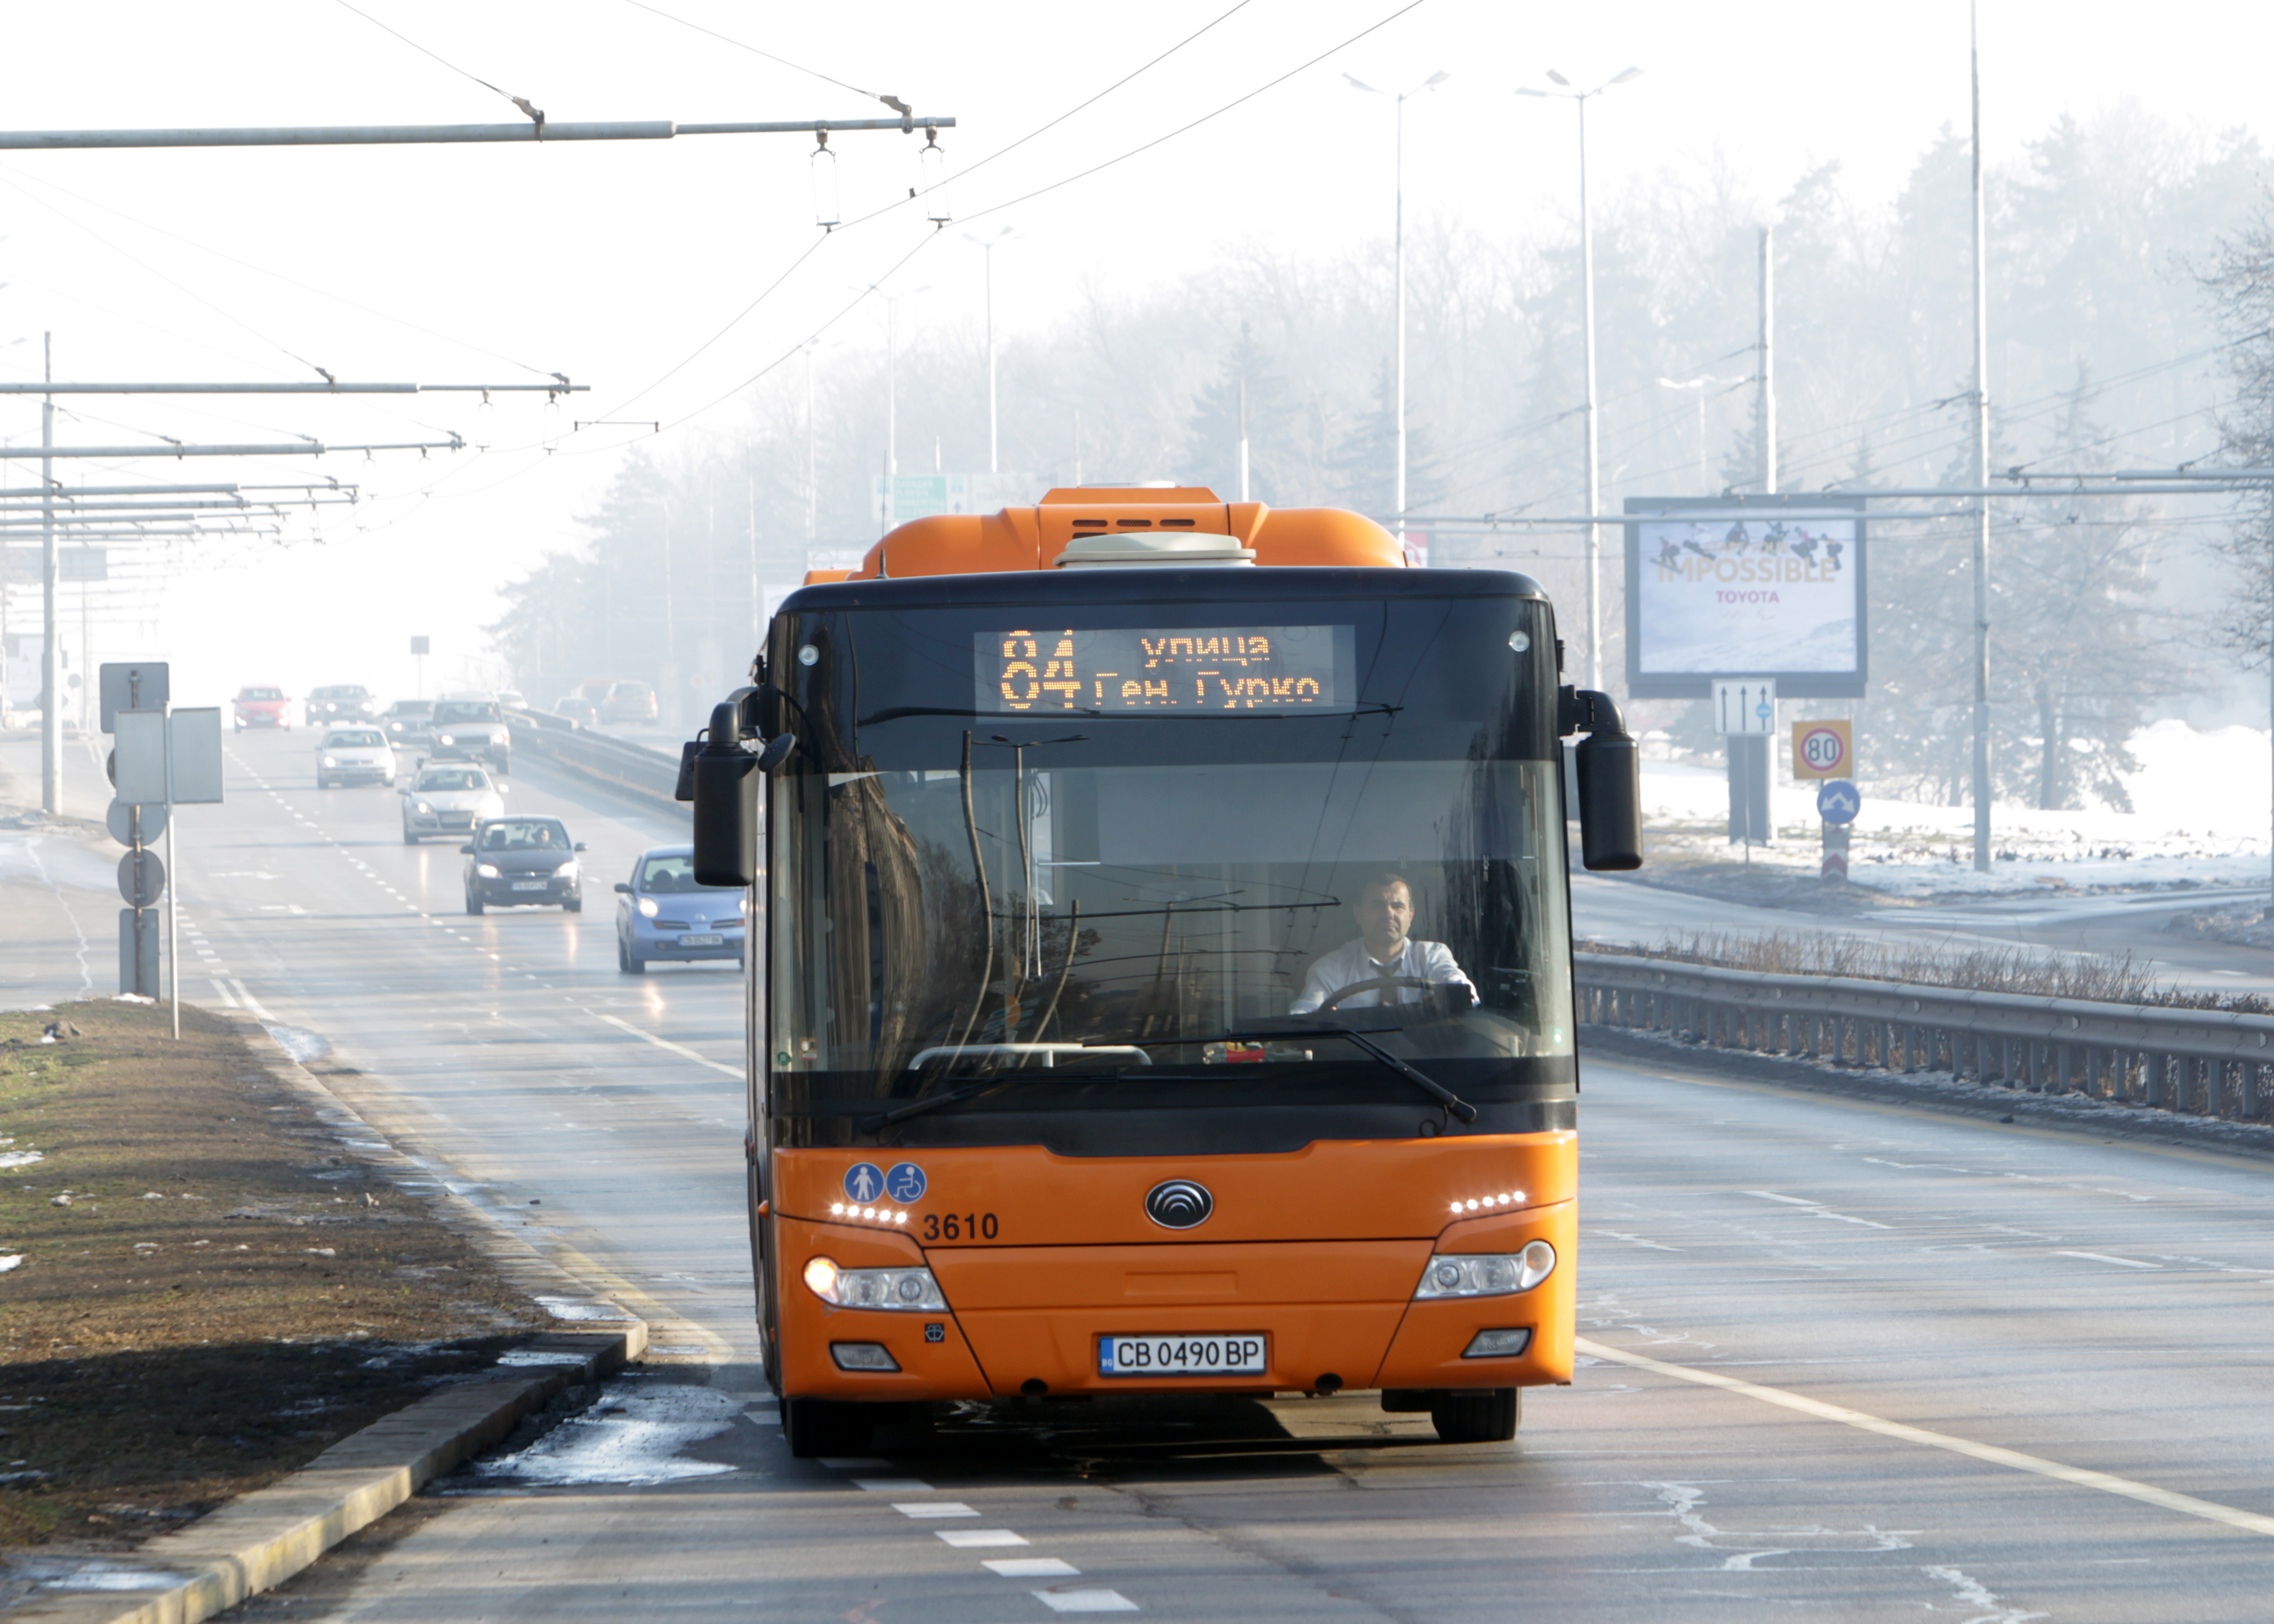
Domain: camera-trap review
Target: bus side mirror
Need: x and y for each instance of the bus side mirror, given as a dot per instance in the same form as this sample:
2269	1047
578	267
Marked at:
723	780
1609	782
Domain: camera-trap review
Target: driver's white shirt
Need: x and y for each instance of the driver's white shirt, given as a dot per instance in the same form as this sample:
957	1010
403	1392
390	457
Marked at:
1350	963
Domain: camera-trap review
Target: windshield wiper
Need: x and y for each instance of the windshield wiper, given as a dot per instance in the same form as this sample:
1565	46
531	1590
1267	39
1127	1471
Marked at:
1452	1102
931	1103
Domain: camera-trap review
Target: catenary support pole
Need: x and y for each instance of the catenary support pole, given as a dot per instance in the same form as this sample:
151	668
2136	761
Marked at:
1397	254
51	664
1768	362
1982	785
1594	531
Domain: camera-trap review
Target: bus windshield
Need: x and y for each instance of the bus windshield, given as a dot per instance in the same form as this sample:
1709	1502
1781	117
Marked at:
1085	932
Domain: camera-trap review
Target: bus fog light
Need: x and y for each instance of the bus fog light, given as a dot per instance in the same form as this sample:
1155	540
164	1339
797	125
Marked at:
863	1357
1497	1344
1486	1273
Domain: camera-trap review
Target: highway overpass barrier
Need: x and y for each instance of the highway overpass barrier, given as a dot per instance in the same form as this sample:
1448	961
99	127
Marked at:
634	767
2212	1062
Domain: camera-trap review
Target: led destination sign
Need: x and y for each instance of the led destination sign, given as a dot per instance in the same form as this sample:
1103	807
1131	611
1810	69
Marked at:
1124	671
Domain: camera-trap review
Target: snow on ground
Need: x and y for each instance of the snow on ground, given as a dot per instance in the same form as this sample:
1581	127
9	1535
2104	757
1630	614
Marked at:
2202	807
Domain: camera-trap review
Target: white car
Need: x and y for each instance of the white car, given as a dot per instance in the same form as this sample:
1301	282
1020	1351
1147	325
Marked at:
354	755
449	797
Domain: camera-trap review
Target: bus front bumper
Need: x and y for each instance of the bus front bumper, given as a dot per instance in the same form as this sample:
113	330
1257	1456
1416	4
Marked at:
1030	1320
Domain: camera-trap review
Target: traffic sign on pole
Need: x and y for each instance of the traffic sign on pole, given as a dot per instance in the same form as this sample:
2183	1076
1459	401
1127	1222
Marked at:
1839	802
1745	705
1822	749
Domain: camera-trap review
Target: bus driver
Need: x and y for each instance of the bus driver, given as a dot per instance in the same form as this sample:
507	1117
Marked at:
1383	952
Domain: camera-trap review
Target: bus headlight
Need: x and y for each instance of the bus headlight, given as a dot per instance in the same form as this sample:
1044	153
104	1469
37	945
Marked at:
1486	1273
905	1290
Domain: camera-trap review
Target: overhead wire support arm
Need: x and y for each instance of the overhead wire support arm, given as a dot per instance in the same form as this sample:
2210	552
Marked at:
12	388
418	135
306	448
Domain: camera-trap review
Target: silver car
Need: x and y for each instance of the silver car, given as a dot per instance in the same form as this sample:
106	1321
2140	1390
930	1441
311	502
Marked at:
449	797
354	755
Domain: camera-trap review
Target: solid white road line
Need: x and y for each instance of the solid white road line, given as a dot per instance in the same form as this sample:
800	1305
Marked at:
2102	1257
680	1049
251	1003
2106	1483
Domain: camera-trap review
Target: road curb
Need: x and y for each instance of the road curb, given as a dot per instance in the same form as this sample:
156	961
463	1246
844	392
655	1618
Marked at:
1940	1093
258	1540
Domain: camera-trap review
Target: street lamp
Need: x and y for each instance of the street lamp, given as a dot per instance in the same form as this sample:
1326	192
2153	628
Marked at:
1700	384
1580	98
891	389
987	246
1397	490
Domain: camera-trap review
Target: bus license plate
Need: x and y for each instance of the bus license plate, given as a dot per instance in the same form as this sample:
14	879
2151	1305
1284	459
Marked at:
693	939
529	885
1175	1355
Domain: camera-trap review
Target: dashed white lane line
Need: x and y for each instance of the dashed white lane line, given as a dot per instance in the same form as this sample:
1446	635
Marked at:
979	1538
1061	1599
680	1049
1790	1200
2102	1257
933	1508
1031	1568
892	1485
2106	1483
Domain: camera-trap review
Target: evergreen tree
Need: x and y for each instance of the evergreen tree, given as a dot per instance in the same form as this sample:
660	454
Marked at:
1364	457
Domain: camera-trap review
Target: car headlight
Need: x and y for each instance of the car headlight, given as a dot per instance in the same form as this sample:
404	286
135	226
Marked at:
1486	1273
647	906
331	761
904	1290
566	871
447	739
488	871
424	810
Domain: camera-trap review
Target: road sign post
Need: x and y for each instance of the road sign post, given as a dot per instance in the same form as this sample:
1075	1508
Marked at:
1744	712
1826	751
159	759
1837	803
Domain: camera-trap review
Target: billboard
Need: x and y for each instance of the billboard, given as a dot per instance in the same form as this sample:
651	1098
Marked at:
1758	586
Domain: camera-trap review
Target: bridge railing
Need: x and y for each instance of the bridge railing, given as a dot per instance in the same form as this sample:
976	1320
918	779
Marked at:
2213	1063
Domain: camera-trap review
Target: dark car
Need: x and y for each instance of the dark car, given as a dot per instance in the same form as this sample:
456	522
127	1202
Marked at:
262	707
516	861
666	915
472	730
577	709
628	699
409	724
344	702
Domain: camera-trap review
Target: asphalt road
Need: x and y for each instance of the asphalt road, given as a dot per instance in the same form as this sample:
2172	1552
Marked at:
1849	1360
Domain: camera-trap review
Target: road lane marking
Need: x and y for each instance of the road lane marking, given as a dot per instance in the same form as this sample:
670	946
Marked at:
1084	1601
1031	1568
892	1485
2102	1257
1789	1201
680	1049
226	995
979	1538
933	1508
251	1003
2107	1483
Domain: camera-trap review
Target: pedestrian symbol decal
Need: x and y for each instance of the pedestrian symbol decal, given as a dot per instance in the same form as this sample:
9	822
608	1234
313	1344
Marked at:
863	1182
905	1181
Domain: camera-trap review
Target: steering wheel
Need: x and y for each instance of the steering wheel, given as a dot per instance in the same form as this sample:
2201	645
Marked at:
1376	984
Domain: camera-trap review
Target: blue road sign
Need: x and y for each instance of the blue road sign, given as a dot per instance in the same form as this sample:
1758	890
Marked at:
863	1182
1839	800
905	1181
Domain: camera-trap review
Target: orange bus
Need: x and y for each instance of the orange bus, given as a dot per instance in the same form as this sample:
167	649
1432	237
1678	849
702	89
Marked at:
1161	971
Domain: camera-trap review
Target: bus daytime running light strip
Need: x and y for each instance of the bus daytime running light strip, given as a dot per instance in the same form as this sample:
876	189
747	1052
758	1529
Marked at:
1489	1203
867	1214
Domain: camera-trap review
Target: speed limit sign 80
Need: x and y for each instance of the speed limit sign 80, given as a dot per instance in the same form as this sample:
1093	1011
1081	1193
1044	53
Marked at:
1822	749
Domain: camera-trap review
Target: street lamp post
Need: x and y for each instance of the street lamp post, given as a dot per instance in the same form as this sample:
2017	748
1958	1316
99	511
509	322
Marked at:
987	246
1397	484
1699	384
1580	98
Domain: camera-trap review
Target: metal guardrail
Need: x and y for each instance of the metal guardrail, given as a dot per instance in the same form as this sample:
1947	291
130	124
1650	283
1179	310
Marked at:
612	761
2210	1063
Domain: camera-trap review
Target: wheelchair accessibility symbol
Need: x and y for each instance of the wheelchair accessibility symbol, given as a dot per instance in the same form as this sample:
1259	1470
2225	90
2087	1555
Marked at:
905	1181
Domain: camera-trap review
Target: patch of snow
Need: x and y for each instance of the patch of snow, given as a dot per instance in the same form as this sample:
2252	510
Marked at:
21	1158
633	1435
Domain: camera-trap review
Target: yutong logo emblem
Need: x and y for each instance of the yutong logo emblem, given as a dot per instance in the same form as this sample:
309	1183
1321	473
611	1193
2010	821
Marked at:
1180	1204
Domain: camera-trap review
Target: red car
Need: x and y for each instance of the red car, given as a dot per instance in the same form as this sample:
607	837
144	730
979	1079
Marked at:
263	707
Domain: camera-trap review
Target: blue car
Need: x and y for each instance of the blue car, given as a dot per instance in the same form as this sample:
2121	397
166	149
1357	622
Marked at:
663	914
